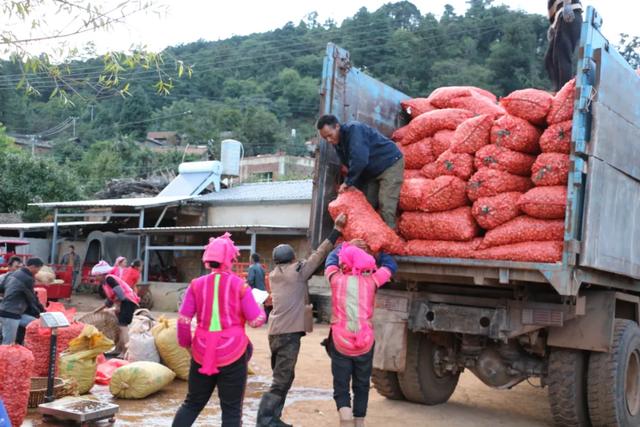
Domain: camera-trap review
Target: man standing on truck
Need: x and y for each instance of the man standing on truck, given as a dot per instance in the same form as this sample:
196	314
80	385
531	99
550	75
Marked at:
291	319
565	22
375	164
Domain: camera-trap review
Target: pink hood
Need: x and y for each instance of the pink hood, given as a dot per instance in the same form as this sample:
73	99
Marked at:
355	259
221	249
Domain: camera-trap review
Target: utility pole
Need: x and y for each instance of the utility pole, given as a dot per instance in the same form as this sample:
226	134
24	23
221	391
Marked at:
91	106
74	126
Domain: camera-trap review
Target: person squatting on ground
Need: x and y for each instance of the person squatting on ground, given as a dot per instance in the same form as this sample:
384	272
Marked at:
354	280
290	320
20	306
374	163
119	293
222	303
565	22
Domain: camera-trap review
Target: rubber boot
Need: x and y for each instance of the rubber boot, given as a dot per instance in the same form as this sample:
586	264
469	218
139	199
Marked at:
346	417
266	410
358	421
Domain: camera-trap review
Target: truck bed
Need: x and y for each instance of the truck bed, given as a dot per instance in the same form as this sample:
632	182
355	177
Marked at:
602	233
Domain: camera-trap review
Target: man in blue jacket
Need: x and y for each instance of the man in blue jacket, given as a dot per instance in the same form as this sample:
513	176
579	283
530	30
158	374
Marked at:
375	164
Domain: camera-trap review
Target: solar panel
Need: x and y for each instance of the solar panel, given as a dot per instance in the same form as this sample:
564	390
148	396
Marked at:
191	181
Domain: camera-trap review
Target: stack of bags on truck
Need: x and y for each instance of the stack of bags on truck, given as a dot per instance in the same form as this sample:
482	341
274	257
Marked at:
484	179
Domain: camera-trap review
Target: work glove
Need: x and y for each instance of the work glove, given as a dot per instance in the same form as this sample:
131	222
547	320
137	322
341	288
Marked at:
551	33
567	13
108	303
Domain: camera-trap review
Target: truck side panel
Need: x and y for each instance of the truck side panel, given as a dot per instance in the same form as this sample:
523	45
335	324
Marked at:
610	229
349	94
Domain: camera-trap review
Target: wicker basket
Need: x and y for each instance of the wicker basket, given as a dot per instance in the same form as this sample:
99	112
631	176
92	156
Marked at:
38	391
105	321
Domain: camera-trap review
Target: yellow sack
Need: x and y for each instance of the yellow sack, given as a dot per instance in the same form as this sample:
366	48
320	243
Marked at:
138	380
78	362
177	358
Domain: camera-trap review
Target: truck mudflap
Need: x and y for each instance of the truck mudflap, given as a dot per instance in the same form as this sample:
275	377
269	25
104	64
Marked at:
390	322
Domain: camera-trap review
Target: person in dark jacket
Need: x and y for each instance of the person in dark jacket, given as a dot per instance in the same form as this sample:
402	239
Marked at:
15	262
565	22
256	274
374	162
19	299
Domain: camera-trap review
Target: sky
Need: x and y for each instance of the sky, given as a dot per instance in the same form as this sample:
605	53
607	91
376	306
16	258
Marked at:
183	21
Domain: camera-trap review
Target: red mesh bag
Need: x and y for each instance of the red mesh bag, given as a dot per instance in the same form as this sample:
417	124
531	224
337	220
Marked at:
417	155
472	134
545	202
443	193
428	124
412	173
457	164
478	104
416	106
524	229
443	248
524	252
430	171
491	212
442	142
530	104
557	138
562	105
363	222
490	182
550	169
443	96
500	158
37	340
411	194
455	225
515	134
398	134
16	364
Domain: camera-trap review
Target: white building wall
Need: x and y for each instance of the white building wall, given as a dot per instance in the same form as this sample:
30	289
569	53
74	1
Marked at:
286	215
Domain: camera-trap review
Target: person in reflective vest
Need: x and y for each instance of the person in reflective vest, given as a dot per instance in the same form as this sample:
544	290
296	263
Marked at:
222	303
354	280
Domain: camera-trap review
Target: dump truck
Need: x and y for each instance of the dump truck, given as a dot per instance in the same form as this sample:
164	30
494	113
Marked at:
571	325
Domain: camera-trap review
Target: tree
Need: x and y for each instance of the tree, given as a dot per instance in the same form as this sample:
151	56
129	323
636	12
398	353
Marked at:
27	179
134	114
629	48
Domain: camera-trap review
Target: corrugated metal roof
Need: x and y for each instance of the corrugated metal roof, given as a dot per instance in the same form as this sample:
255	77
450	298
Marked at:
279	191
257	229
136	202
47	225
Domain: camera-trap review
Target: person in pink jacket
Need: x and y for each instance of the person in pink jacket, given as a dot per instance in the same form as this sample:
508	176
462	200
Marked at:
221	303
354	278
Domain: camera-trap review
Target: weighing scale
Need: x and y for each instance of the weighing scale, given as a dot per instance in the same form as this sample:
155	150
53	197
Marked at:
79	410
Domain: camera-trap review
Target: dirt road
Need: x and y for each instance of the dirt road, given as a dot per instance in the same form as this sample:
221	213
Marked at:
310	402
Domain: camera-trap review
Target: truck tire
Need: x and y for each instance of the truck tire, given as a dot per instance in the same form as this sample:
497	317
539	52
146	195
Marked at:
614	379
421	382
386	383
567	379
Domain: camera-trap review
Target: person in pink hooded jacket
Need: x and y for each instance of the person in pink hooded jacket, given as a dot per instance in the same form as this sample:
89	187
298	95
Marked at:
221	303
354	278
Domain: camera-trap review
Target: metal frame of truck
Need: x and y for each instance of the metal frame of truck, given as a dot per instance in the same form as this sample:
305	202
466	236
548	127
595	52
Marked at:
566	323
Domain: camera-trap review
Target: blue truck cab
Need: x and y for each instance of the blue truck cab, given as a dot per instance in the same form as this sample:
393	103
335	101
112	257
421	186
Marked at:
572	324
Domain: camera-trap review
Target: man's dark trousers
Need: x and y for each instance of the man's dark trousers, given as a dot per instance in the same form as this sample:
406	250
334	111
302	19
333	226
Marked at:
284	356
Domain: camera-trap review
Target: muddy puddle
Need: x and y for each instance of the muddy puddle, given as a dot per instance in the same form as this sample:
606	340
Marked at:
159	409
